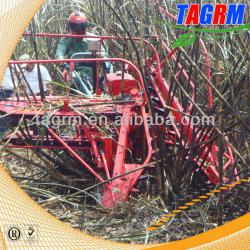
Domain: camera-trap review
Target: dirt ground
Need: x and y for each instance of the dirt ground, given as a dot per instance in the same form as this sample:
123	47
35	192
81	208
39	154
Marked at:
127	222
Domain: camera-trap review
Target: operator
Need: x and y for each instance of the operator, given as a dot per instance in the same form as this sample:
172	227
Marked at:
69	46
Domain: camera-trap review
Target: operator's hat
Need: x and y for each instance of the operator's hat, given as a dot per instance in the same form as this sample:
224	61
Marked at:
77	22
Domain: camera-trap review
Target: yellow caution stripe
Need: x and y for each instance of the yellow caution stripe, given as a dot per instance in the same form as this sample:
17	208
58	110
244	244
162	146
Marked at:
164	219
209	194
161	221
217	191
236	182
203	197
151	228
244	180
229	185
176	211
189	203
170	215
183	207
196	200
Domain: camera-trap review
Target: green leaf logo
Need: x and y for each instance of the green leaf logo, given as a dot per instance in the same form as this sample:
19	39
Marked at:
185	40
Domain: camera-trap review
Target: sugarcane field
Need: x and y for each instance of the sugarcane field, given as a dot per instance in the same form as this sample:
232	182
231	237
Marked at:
129	120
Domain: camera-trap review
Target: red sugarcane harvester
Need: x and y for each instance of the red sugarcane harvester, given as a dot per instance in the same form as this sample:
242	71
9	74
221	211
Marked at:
115	149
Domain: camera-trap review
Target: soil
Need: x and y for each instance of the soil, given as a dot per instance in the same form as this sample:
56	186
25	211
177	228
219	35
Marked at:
127	222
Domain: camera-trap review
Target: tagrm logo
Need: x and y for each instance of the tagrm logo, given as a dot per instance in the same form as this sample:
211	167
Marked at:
210	18
209	14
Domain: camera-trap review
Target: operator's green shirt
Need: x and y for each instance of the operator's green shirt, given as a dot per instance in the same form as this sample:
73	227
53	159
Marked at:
68	46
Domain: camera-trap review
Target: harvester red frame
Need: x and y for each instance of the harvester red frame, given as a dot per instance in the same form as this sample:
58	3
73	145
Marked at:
112	163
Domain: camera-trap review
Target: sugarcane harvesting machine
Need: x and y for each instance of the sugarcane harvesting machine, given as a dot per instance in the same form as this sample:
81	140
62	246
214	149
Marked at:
116	154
